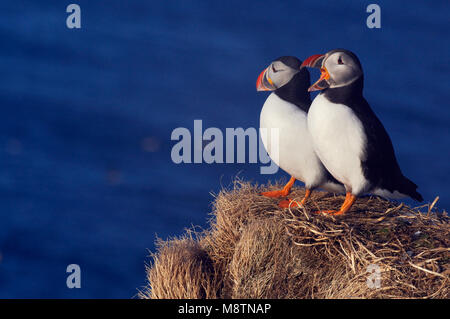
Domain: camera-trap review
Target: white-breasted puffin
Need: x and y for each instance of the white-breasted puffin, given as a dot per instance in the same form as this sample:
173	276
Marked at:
286	109
348	137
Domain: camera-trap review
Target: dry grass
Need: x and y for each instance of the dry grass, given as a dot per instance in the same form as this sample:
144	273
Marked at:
253	249
182	269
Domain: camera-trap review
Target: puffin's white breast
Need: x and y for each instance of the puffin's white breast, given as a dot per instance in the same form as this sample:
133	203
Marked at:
296	153
339	141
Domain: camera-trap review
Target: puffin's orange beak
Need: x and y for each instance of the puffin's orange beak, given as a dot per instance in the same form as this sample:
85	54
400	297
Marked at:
264	82
322	82
315	61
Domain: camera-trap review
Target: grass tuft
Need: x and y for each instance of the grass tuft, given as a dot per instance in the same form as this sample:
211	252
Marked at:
253	249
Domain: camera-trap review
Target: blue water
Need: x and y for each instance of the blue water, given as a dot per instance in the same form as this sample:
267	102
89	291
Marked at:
86	174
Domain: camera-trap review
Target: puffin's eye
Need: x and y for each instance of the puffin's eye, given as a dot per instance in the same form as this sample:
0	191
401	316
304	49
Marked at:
340	61
274	70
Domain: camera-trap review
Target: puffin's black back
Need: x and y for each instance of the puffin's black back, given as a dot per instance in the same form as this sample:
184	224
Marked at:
380	165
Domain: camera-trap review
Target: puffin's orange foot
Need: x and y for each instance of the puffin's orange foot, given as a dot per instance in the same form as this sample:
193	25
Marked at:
282	192
289	203
330	212
275	194
349	200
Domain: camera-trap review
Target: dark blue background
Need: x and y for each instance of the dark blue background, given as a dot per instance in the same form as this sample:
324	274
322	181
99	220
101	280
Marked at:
86	175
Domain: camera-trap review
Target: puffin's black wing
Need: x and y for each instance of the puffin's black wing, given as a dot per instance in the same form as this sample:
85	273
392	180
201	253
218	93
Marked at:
380	165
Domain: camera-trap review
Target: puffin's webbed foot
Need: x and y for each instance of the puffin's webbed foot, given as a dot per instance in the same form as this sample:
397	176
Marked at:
349	201
291	203
280	193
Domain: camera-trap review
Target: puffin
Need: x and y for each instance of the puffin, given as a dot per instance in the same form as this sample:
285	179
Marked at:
284	112
348	137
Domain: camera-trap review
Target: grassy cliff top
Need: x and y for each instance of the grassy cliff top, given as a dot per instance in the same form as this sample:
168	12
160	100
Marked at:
253	249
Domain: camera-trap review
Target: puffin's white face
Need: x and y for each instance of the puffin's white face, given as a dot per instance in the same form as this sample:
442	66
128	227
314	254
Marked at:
342	69
276	75
338	68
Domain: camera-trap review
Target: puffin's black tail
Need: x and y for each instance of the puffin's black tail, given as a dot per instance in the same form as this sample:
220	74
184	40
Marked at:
409	188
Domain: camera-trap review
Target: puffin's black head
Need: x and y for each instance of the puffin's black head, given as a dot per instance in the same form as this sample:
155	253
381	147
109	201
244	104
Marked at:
280	72
338	68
